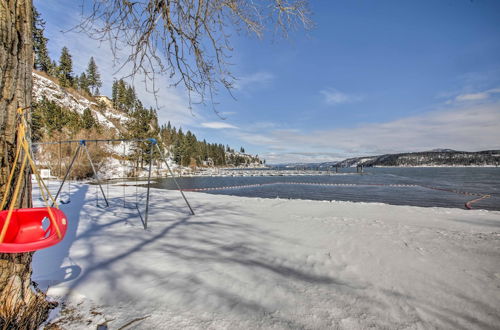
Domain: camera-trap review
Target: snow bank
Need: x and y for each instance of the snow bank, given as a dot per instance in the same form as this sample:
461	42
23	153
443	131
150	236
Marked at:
247	263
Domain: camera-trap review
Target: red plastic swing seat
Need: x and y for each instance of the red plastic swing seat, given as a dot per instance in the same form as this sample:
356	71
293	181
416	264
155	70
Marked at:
31	229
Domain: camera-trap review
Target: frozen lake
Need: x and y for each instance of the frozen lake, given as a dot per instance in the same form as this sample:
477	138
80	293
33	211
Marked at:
429	187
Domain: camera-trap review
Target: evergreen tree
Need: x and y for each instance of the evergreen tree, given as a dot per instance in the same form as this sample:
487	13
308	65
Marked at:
130	98
54	69
188	149
121	96
48	117
114	93
124	97
93	76
83	83
42	60
65	68
36	123
88	120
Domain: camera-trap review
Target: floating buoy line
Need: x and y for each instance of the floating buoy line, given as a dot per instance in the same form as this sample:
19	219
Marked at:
468	204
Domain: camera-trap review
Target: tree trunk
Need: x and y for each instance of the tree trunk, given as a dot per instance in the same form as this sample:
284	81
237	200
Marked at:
21	306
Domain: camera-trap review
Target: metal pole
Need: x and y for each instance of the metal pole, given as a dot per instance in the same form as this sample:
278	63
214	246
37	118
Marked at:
123	175
173	177
67	173
95	172
96	140
60	159
149	183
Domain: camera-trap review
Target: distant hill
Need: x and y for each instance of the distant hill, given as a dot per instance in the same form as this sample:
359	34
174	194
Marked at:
438	157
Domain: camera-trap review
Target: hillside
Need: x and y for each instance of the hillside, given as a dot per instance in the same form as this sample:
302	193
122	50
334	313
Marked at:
444	157
48	88
65	113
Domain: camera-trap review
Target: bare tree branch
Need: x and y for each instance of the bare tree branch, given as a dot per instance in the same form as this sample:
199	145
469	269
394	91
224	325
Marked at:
186	40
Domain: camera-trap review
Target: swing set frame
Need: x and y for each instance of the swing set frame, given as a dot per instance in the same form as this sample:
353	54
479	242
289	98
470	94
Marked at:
82	147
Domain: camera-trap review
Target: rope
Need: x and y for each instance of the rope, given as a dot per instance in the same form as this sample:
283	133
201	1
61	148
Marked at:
12	171
467	204
14	200
22	144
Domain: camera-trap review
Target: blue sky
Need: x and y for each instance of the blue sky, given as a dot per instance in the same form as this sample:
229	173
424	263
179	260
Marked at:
371	77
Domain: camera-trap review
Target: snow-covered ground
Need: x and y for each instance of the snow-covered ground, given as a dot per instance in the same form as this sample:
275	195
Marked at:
250	263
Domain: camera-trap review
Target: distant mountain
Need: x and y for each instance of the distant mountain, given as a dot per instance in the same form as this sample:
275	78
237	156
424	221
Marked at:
437	157
443	150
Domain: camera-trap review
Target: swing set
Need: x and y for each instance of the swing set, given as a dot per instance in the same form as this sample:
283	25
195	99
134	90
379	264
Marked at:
35	228
83	148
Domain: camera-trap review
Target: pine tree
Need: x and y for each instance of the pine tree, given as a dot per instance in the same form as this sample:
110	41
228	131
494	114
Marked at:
49	117
65	68
54	69
93	76
42	60
121	95
88	120
130	99
83	83
114	93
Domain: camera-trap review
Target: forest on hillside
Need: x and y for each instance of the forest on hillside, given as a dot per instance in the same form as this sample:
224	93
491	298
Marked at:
52	121
428	158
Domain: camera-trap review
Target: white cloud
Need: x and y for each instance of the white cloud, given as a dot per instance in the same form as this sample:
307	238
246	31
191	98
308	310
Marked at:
334	97
472	97
477	96
300	157
259	139
469	128
218	125
260	78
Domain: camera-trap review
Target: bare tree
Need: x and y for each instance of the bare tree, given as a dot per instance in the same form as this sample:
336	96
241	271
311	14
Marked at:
188	40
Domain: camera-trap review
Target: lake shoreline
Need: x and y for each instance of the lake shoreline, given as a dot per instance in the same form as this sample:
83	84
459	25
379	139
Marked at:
246	263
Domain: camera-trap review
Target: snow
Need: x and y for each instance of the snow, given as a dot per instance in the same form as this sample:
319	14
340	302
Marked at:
250	263
121	117
44	87
53	92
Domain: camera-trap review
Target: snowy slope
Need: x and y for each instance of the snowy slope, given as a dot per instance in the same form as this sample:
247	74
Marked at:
45	87
248	263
